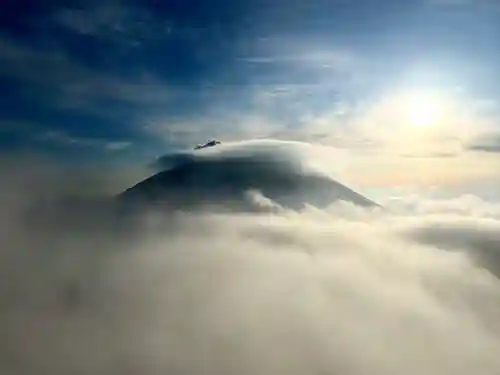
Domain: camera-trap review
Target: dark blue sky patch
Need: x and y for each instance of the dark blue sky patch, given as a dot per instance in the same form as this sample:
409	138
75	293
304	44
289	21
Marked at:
108	69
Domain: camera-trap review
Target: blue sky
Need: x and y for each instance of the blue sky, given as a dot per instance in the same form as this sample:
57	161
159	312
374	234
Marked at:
99	80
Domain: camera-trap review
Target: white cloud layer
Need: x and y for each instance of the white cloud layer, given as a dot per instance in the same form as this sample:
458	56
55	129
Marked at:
343	290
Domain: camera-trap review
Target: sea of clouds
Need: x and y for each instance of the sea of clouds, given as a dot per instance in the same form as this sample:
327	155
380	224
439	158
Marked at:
413	288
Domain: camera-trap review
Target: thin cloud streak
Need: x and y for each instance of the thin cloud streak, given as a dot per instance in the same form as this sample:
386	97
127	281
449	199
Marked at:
63	139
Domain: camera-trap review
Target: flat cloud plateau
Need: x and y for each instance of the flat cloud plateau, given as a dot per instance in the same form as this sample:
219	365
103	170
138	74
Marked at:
412	289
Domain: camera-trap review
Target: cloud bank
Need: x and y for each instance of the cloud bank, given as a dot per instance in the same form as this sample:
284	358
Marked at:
343	290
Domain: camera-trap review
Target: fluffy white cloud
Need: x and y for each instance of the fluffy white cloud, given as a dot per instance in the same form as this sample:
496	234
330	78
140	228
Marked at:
341	290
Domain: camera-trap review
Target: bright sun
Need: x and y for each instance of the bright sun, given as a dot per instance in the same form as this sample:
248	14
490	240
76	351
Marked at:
421	108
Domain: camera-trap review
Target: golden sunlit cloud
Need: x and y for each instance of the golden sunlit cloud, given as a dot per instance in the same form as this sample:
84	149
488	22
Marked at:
389	171
416	136
418	108
419	122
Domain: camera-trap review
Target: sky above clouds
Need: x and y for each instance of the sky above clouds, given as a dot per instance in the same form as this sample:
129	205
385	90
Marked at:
408	88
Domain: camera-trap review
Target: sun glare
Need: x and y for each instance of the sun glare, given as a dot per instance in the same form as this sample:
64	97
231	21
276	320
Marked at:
421	108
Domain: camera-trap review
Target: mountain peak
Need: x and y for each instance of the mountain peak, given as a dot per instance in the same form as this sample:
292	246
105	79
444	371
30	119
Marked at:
222	176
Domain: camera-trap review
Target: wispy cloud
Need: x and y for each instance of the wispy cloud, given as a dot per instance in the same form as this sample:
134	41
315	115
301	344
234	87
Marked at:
493	4
486	143
191	131
74	84
320	59
450	2
64	139
100	20
116	22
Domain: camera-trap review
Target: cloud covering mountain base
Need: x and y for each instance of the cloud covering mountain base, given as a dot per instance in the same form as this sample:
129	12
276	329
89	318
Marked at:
345	290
